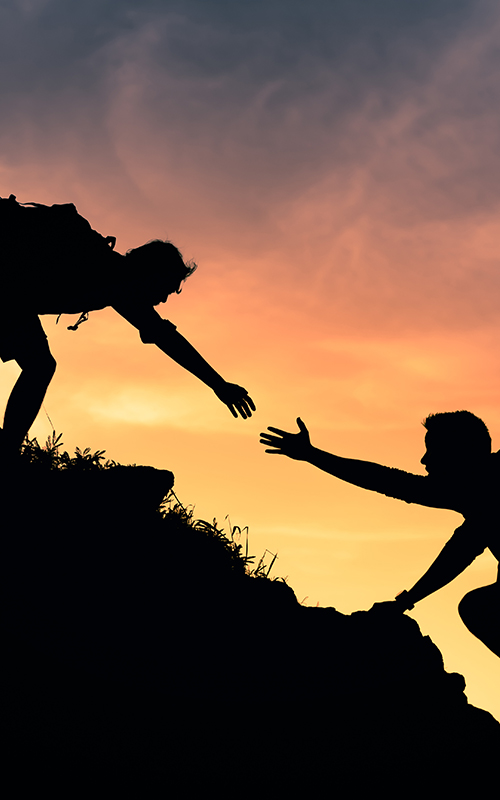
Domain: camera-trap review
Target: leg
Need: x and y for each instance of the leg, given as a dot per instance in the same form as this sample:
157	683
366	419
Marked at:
38	366
480	612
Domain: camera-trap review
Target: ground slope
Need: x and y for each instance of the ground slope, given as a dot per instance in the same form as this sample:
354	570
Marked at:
135	642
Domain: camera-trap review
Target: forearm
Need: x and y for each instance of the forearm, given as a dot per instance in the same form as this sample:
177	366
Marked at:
439	574
365	474
235	397
161	332
183	353
455	556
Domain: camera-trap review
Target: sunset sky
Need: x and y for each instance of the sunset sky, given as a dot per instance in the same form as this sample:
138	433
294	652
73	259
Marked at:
333	166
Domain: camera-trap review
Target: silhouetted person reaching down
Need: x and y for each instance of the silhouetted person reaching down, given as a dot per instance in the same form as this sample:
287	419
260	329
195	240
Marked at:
74	270
463	475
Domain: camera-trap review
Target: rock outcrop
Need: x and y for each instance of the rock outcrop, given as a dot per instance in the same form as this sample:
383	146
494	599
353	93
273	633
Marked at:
129	643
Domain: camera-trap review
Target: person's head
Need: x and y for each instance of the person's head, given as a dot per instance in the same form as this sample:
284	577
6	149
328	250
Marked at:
157	269
455	441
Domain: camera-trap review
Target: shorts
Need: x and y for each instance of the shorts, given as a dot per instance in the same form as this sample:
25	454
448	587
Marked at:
21	332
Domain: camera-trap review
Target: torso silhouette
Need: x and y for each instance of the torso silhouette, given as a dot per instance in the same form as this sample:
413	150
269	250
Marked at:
83	284
475	497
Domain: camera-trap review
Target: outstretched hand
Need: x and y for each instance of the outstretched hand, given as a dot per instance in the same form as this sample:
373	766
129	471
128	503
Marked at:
236	398
293	445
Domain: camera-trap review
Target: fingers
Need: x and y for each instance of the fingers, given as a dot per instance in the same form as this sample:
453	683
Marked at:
275	430
248	405
241	402
273	442
266	438
301	425
242	408
245	407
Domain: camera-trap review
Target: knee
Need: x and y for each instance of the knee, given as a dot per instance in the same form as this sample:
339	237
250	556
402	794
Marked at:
467	608
480	613
476	606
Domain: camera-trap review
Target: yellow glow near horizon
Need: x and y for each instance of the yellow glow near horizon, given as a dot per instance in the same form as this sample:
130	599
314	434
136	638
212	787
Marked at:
341	201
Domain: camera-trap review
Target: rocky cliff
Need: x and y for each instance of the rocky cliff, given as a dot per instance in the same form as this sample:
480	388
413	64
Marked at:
133	641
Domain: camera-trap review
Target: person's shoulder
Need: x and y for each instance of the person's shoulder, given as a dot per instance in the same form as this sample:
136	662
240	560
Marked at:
151	325
487	474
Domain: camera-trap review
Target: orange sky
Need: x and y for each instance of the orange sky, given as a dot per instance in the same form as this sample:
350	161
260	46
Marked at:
340	194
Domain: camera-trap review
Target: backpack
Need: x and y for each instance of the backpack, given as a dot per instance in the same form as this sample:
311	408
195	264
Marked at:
36	236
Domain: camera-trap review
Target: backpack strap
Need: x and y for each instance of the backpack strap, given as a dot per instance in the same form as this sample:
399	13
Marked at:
84	316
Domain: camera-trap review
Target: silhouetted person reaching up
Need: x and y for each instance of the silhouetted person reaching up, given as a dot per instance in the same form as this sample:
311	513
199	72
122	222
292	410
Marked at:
54	263
463	475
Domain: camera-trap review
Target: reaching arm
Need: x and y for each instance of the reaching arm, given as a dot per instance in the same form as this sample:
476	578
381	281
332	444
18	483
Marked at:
235	397
155	330
365	474
456	555
467	542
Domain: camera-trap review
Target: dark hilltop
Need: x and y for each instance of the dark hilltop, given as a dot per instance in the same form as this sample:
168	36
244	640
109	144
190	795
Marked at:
138	640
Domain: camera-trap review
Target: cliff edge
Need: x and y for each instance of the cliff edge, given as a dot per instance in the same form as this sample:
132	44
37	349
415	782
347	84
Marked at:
134	637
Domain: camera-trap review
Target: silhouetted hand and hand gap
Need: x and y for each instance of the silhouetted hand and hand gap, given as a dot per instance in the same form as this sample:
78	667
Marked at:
463	475
65	267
